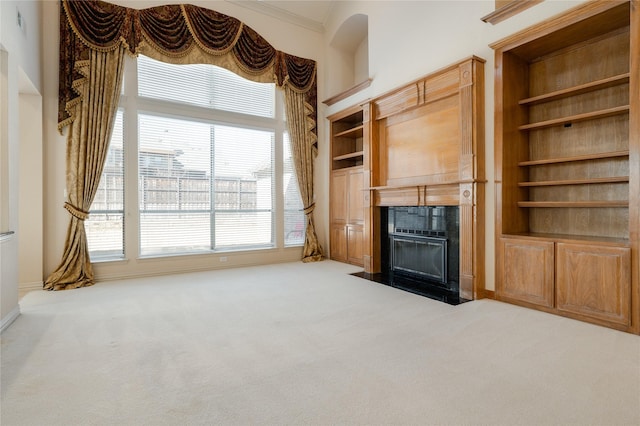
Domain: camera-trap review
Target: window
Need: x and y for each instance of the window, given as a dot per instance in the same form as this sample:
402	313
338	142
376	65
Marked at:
105	226
206	165
294	218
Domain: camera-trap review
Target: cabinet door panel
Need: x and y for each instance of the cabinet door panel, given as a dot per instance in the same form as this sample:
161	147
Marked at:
355	245
527	272
594	281
356	197
338	243
339	196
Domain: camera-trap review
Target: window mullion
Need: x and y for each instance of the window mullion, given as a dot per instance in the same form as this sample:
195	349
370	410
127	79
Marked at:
131	219
212	189
279	192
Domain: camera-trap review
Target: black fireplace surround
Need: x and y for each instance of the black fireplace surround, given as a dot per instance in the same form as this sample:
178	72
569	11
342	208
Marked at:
420	248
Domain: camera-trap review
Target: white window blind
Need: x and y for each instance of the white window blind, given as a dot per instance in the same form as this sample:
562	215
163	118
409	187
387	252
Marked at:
205	185
105	226
183	166
204	86
174	172
244	181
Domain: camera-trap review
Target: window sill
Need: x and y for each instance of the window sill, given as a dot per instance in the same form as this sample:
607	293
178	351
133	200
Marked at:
210	253
6	235
110	260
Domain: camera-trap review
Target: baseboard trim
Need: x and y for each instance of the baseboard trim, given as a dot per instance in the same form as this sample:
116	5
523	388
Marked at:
489	294
9	319
24	288
36	285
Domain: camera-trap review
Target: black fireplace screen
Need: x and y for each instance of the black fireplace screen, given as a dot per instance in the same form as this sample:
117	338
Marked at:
422	256
422	243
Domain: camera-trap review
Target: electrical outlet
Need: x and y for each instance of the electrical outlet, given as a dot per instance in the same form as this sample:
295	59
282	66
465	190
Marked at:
223	259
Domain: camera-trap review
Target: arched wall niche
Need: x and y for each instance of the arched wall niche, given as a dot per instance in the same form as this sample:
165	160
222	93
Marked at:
349	55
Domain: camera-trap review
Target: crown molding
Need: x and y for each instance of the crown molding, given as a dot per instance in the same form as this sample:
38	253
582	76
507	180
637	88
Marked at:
281	14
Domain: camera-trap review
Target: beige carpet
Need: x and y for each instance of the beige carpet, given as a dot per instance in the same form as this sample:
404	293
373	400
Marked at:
305	344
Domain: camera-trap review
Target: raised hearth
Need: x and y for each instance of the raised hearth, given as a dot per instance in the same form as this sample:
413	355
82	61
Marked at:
421	251
420	287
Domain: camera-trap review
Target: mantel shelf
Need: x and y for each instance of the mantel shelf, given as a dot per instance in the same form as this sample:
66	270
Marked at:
577	118
598	156
578	90
349	155
615	179
355	132
566	204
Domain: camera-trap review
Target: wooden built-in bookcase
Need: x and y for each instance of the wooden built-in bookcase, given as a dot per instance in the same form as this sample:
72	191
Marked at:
567	143
347	136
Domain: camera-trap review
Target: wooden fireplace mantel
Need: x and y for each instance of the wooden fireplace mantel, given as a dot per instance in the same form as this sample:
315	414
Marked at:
425	147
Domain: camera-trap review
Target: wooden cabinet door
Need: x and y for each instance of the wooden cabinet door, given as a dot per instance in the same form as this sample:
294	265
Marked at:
338	242
356	197
339	197
594	281
355	244
527	272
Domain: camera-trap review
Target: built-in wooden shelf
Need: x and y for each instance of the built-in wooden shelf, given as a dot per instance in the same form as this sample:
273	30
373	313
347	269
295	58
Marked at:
354	132
349	155
569	238
578	90
567	160
577	118
597	156
565	204
614	179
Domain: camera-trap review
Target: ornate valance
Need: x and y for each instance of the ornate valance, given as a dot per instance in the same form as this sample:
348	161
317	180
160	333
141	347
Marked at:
174	32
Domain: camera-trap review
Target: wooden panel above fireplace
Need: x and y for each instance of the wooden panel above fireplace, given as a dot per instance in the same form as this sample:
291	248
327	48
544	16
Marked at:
426	148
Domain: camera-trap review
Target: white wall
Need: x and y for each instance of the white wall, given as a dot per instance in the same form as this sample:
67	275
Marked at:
409	39
23	55
361	61
30	248
283	36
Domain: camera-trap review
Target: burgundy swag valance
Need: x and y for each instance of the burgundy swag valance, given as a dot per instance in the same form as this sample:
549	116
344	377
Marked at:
173	30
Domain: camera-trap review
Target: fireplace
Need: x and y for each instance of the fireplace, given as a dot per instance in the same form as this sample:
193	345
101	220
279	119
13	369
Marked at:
420	248
422	244
420	256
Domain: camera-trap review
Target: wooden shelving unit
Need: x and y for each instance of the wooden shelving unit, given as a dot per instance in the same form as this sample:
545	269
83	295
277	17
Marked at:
577	90
347	139
580	204
613	179
567	148
568	120
356	155
595	156
347	183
